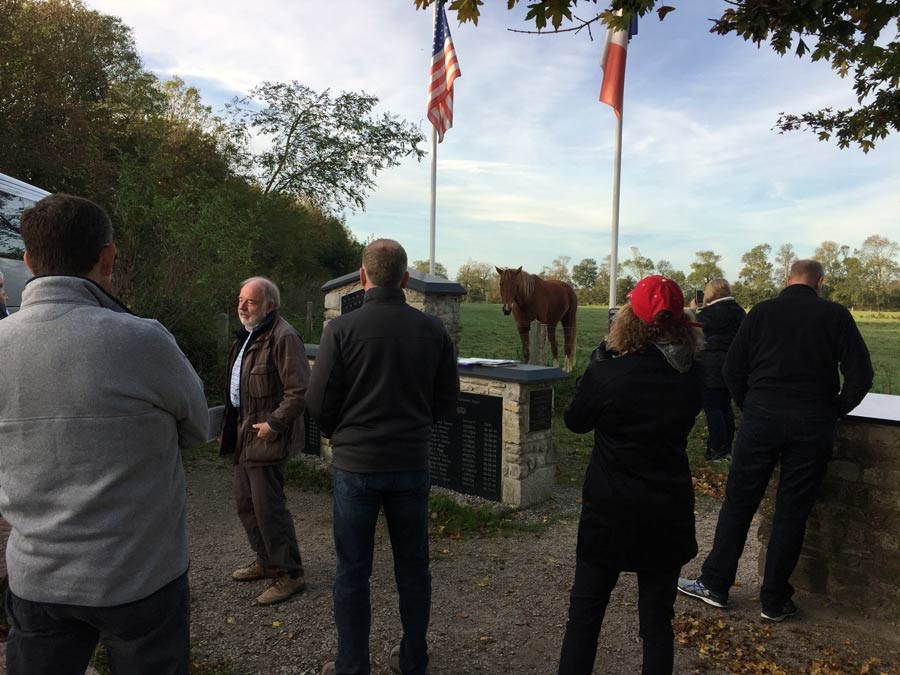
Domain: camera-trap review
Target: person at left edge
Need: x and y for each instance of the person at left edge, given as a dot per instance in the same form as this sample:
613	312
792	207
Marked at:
268	372
95	405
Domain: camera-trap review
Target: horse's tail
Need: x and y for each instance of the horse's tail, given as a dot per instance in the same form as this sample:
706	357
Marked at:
570	331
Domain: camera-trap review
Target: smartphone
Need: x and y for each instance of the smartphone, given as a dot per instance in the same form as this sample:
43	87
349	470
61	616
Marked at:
610	316
698	296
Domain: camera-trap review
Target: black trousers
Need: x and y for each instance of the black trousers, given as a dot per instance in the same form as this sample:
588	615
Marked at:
587	607
262	509
146	637
802	441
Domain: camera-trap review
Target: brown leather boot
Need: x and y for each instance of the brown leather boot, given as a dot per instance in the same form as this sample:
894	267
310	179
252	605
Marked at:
281	589
253	571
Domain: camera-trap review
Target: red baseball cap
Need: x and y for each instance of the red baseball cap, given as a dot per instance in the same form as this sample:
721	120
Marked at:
655	294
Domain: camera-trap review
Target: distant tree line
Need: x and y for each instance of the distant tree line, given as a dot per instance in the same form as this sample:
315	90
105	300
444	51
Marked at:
864	278
195	204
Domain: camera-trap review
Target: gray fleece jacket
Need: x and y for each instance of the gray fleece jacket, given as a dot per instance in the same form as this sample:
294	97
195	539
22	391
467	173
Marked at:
94	406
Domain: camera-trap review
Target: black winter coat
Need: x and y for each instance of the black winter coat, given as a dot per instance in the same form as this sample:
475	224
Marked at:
638	498
721	321
384	373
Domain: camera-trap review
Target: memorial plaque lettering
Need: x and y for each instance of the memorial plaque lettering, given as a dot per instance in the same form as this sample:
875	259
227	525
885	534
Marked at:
352	301
313	438
540	409
466	452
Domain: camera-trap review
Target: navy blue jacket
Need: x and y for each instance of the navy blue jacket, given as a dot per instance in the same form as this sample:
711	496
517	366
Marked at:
788	350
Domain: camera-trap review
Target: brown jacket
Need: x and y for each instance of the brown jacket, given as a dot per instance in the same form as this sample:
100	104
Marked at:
274	375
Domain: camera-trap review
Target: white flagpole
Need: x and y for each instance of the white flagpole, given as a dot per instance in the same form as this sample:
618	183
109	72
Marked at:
433	175
433	194
614	247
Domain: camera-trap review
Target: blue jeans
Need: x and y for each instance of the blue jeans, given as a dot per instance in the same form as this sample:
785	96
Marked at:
802	441
358	497
719	422
146	637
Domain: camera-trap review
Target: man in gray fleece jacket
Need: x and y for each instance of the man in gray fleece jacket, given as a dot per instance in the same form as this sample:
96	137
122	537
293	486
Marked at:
95	404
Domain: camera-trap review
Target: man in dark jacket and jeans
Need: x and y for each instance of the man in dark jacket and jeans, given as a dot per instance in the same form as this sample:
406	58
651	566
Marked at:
268	372
384	373
782	370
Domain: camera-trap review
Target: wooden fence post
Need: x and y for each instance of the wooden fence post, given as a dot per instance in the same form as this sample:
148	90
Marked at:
537	343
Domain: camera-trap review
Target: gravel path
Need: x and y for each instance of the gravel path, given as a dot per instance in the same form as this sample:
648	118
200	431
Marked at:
499	603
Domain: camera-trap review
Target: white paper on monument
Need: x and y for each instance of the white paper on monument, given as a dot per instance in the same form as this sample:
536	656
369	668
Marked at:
878	407
492	363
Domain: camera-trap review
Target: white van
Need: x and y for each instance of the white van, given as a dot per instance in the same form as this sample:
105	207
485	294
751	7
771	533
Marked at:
15	197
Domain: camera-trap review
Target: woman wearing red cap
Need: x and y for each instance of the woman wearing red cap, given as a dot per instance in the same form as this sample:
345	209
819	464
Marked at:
640	395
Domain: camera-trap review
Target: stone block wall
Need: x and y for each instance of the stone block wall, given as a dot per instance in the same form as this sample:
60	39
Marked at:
527	463
443	306
851	554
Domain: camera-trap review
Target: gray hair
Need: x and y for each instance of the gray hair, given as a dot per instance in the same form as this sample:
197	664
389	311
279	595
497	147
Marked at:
270	290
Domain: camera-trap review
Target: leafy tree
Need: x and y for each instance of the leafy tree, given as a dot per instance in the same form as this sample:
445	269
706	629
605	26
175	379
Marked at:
425	265
877	255
705	268
323	149
833	258
640	265
856	37
666	268
852	292
584	274
784	258
81	115
480	281
756	275
71	84
558	269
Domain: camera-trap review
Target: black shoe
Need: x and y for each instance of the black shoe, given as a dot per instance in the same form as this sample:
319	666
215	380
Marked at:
786	610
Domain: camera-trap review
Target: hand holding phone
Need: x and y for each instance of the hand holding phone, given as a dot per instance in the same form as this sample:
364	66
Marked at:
698	296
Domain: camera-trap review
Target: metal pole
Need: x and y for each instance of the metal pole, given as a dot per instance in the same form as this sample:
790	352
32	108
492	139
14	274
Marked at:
614	247
433	179
433	196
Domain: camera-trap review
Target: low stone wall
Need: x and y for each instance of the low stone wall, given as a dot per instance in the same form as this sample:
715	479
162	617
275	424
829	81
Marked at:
527	464
851	554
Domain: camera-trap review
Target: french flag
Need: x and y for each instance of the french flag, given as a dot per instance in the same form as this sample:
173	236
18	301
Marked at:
612	60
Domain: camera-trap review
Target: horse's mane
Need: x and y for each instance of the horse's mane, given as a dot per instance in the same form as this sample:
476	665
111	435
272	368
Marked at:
526	283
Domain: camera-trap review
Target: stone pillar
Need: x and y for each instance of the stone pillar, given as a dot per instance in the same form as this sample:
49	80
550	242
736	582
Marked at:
527	466
851	554
430	294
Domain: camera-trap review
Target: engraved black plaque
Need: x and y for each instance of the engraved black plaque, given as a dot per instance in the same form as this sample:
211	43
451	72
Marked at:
313	438
352	301
466	452
540	409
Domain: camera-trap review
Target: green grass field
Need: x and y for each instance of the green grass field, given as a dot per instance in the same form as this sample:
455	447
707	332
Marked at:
487	333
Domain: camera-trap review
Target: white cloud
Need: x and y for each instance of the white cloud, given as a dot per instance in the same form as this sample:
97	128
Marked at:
525	174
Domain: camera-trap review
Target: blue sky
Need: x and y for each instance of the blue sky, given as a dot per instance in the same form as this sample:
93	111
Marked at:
525	175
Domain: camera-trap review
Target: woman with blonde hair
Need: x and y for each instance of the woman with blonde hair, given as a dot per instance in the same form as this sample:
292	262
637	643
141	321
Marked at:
721	317
640	395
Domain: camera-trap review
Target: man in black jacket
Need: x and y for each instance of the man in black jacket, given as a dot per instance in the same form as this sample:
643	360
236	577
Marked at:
384	373
782	370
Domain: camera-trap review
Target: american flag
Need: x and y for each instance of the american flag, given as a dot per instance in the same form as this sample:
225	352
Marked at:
444	69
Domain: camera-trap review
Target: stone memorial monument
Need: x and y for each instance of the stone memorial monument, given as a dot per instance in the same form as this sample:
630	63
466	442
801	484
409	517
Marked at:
500	446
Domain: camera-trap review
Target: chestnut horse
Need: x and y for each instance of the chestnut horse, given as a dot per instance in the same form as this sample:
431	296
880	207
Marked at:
529	297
